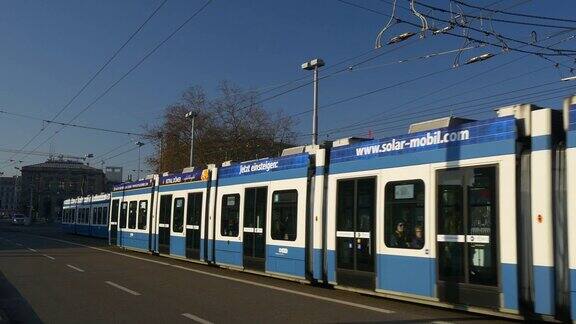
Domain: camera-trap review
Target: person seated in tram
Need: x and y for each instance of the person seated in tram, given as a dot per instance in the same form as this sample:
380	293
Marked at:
418	239
398	238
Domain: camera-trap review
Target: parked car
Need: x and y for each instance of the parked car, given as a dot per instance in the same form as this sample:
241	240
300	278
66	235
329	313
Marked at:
20	219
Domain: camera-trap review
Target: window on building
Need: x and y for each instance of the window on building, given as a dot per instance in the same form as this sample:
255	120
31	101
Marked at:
123	214
132	214
284	215
404	214
230	215
142	214
178	224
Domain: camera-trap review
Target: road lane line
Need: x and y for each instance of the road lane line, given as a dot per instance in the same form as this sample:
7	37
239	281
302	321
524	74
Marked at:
32	250
328	299
75	268
49	257
135	293
196	318
18	244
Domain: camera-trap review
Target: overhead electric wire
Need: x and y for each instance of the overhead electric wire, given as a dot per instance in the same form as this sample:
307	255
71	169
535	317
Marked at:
500	102
449	86
465	102
497	19
47	121
108	61
132	69
114	149
321	78
514	13
557	50
454	34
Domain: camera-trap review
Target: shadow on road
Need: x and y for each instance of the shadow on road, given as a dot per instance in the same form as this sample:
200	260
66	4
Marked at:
13	305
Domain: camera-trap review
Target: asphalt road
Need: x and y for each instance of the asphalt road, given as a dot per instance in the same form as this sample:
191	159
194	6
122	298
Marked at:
46	276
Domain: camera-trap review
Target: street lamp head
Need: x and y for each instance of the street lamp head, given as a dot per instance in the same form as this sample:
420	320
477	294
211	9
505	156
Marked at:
312	64
191	114
139	143
89	156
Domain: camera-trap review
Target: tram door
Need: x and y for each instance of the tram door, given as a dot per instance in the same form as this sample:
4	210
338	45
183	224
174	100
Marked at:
193	225
355	235
254	236
114	222
466	239
164	224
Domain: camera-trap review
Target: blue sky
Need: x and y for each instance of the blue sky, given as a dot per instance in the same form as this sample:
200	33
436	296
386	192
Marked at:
49	49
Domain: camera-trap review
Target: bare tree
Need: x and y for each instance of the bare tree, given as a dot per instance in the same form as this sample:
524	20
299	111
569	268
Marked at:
231	126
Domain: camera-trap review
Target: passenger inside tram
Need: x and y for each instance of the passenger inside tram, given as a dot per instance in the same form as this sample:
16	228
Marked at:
418	239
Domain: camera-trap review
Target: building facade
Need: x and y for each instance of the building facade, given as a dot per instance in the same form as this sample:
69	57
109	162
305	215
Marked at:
45	186
9	195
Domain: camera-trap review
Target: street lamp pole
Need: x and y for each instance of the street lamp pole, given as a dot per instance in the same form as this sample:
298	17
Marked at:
191	115
314	65
140	144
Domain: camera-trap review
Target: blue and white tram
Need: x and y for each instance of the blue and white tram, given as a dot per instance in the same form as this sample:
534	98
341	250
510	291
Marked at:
181	225
570	125
99	210
457	213
262	210
86	215
69	216
129	225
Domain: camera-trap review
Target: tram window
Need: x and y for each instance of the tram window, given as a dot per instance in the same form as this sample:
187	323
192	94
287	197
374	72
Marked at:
94	215
194	209
142	214
105	215
404	214
115	204
230	215
284	215
73	219
100	216
132	214
123	214
178	224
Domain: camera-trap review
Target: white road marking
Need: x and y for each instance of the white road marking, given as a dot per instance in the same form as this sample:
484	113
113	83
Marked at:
18	244
333	300
49	257
328	299
32	250
135	293
196	318
75	268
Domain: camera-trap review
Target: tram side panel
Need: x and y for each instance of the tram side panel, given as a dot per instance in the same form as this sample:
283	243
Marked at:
542	223
184	196
83	219
317	212
99	216
134	206
68	215
435	232
211	205
261	216
570	115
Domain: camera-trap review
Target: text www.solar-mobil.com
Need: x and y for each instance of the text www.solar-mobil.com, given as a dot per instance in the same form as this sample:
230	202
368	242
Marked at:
433	138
